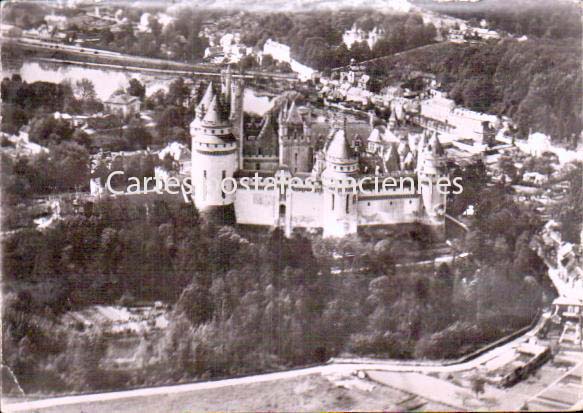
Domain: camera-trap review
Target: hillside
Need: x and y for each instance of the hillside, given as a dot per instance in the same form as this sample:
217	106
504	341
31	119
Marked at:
536	82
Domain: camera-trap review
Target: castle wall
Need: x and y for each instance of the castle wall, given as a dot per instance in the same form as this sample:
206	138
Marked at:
256	207
383	209
260	163
306	209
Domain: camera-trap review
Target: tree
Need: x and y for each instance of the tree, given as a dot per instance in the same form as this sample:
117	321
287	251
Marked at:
13	118
45	130
247	62
170	118
81	137
155	26
569	211
137	135
178	92
85	90
71	165
507	166
267	61
478	385
107	36
136	88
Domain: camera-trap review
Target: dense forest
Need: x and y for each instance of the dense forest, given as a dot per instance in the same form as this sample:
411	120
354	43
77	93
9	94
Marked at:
539	18
537	82
254	301
316	38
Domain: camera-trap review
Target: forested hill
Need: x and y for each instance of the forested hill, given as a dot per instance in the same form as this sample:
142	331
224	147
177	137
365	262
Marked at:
536	82
553	19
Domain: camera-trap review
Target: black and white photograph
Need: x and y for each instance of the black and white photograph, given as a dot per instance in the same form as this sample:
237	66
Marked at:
291	206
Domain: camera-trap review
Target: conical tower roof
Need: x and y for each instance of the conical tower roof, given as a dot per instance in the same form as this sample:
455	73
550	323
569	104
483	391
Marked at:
338	148
404	148
434	146
392	159
206	100
268	130
215	115
293	116
422	142
409	162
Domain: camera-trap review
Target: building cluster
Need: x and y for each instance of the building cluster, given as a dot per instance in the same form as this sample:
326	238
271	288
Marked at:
431	109
225	48
463	33
61	29
565	262
440	114
351	84
358	35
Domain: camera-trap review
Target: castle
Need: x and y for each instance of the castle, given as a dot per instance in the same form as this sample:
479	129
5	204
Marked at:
323	195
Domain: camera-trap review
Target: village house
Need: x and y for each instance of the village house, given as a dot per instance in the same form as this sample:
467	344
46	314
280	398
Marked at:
122	104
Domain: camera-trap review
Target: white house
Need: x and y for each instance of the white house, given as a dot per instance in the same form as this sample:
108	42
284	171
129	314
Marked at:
122	104
536	144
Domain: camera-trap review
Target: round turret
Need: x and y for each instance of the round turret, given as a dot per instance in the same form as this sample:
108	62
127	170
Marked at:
214	158
341	160
340	186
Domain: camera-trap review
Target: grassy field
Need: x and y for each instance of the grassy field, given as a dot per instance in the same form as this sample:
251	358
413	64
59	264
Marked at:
303	394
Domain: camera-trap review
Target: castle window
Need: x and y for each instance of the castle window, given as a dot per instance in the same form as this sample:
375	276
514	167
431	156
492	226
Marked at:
296	158
204	174
258	166
332	202
390	202
368	204
347	204
410	201
224	175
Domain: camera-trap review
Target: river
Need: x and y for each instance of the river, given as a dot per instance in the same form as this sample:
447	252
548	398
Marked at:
107	81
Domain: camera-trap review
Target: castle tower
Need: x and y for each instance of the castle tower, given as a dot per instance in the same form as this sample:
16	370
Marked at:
201	109
392	120
371	119
295	143
214	159
233	92
340	198
236	114
226	81
429	172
